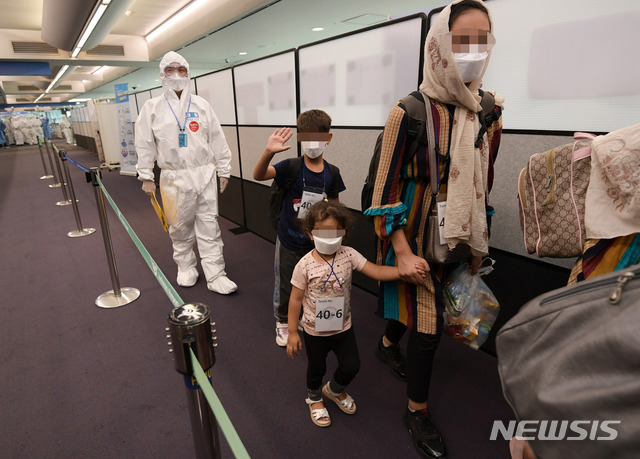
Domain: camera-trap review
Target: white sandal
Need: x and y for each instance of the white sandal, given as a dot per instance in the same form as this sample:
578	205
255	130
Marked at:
318	414
348	405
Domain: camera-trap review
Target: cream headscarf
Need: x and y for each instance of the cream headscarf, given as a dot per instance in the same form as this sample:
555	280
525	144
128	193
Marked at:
465	218
612	206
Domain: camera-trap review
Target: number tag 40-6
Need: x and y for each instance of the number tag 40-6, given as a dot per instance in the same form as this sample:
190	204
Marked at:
329	314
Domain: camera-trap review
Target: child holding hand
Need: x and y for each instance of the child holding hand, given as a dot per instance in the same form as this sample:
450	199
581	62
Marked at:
321	287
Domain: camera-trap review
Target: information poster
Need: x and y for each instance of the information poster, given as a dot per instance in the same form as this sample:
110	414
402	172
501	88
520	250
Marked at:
128	156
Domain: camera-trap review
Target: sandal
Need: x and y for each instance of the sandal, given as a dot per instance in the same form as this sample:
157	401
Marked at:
348	405
319	416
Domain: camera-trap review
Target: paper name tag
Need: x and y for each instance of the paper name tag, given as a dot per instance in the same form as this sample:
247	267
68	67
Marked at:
329	314
309	198
442	206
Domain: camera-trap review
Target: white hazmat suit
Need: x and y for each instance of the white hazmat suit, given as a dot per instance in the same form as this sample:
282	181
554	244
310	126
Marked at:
65	125
183	134
18	130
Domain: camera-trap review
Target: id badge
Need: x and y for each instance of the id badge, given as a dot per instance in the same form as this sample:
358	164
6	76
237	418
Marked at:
182	140
329	314
308	199
442	206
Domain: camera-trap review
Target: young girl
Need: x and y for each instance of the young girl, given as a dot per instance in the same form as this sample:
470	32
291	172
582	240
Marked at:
321	286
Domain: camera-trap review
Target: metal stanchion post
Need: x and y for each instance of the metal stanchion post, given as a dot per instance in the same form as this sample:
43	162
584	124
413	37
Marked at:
44	165
80	231
118	296
63	186
56	181
190	327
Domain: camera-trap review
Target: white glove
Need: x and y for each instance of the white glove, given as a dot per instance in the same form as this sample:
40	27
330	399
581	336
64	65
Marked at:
224	181
149	186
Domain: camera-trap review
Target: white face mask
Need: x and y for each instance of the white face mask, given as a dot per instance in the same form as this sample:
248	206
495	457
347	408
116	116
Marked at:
326	245
313	149
176	82
470	65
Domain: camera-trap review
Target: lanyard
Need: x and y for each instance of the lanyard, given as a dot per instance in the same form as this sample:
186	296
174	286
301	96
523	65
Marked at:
332	271
182	129
324	178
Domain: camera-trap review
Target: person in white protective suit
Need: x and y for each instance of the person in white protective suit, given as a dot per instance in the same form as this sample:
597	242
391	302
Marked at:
9	131
65	125
17	129
182	133
35	130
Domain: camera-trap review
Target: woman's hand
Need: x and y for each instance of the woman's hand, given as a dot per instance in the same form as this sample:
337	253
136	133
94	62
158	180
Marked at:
412	268
474	264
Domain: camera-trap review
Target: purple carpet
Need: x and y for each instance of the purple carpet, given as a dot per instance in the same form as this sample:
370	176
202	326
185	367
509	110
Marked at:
80	381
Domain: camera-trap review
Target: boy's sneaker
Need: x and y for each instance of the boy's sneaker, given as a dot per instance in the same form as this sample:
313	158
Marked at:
282	334
424	434
392	357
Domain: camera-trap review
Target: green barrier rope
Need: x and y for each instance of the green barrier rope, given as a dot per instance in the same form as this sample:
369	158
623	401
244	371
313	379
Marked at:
221	415
219	412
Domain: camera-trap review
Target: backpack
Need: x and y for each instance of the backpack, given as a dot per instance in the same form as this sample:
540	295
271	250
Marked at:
277	192
552	190
417	134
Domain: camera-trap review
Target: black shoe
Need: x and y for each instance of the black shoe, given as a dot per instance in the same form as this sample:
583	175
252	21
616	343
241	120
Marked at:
392	357
424	434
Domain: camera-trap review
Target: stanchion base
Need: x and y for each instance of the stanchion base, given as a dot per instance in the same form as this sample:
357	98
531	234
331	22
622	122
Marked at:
54	185
110	300
44	177
84	232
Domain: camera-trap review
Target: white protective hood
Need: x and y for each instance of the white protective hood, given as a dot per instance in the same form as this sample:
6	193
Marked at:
167	59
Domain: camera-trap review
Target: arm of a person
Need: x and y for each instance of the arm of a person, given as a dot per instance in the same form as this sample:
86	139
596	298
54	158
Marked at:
218	145
380	273
275	144
390	273
410	266
294	343
145	143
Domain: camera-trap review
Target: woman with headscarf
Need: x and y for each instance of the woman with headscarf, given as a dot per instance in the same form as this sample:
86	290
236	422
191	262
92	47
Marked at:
182	133
456	55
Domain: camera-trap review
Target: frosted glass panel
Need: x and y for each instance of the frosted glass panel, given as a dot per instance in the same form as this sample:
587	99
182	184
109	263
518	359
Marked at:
266	91
217	89
358	78
569	66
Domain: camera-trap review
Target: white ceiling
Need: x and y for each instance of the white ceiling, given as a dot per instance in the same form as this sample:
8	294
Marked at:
209	39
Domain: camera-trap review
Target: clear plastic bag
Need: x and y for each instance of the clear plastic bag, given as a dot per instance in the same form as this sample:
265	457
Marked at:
471	308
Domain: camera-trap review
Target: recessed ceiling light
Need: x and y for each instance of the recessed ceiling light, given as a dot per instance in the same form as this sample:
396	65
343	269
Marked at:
317	29
127	13
242	53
